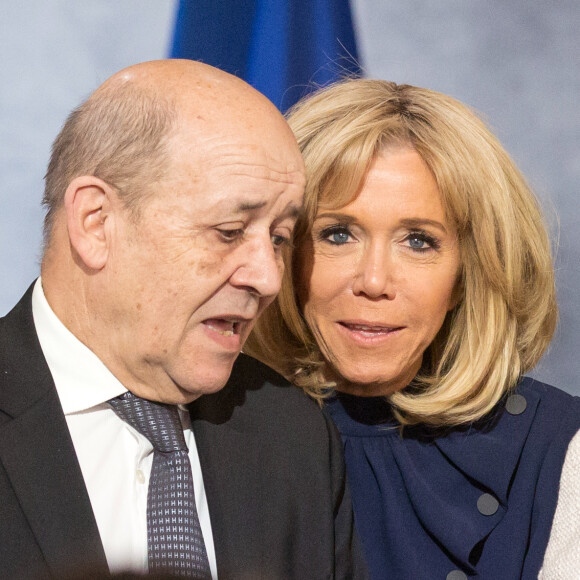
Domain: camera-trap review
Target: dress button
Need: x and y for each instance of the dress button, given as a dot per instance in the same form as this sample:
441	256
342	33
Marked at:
487	504
456	575
516	404
140	476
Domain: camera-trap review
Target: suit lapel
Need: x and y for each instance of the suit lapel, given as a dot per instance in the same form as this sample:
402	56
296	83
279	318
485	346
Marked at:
230	462
39	459
37	453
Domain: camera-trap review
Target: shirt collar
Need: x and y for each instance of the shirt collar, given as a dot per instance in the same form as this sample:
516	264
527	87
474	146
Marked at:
82	380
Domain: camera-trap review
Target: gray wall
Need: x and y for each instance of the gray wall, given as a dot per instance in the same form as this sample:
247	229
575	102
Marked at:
53	54
515	61
518	63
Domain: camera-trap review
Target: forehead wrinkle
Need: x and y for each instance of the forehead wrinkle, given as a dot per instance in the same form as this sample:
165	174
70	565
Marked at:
243	206
261	171
254	157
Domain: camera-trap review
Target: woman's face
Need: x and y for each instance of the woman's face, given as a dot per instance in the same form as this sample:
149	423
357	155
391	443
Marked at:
379	276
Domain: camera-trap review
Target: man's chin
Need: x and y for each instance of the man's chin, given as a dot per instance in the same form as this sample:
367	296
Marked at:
195	384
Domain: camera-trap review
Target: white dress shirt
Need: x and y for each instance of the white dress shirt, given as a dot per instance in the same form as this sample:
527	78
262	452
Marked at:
115	459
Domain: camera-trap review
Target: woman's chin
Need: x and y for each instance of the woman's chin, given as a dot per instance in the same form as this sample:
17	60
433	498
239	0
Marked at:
366	388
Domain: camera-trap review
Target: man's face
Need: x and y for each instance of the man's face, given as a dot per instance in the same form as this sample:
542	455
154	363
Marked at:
188	277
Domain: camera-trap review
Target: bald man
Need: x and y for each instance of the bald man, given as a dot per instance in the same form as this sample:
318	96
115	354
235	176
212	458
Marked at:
171	194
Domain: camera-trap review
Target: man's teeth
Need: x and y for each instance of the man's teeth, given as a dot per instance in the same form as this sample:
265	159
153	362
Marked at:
225	328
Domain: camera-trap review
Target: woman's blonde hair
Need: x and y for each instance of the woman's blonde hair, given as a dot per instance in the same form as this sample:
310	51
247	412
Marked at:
507	310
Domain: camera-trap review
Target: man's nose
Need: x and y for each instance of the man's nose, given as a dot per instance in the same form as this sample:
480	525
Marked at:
261	269
374	275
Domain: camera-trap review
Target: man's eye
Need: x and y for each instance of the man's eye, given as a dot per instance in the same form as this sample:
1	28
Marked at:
279	241
230	235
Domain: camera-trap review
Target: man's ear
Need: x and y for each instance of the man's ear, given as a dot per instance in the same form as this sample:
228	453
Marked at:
88	204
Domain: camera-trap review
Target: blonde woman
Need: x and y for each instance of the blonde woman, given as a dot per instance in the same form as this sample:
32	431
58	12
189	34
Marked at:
419	290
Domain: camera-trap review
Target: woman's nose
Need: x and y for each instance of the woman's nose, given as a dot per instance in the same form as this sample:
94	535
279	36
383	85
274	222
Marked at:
374	276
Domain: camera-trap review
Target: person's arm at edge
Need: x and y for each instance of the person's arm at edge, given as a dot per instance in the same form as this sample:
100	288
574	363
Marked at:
562	557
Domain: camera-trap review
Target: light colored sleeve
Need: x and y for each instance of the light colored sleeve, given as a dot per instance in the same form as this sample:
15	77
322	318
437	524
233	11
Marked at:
562	558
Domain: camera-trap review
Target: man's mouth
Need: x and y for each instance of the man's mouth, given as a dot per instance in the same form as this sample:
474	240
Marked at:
225	327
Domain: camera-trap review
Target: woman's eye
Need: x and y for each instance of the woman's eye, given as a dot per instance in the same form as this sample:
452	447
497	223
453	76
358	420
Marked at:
340	237
416	242
336	235
421	242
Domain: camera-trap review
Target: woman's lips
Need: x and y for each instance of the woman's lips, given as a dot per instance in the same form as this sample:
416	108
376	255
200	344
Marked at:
368	332
369	327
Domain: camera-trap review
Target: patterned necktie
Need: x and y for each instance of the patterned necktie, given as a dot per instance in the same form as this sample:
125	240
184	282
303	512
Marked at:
174	539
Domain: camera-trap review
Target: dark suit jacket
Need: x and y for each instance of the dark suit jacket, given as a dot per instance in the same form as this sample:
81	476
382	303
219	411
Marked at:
272	467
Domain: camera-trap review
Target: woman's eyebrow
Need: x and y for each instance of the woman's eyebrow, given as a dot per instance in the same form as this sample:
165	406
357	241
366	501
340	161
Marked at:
407	222
343	217
421	222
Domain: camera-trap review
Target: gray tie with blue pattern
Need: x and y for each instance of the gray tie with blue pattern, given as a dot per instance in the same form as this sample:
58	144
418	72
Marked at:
174	539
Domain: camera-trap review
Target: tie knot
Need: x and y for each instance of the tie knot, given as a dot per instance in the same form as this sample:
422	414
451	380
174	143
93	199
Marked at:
158	422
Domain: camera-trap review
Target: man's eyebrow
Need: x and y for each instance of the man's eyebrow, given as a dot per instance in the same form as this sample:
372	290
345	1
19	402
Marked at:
245	206
291	210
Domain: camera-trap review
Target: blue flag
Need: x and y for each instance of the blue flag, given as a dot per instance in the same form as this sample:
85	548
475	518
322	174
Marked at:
283	48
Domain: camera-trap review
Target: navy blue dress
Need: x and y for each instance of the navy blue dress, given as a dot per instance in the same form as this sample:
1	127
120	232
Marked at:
471	503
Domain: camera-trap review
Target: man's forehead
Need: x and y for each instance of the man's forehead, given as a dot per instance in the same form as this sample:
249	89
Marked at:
233	155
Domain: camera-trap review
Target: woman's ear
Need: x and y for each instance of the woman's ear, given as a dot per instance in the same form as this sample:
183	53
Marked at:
87	203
